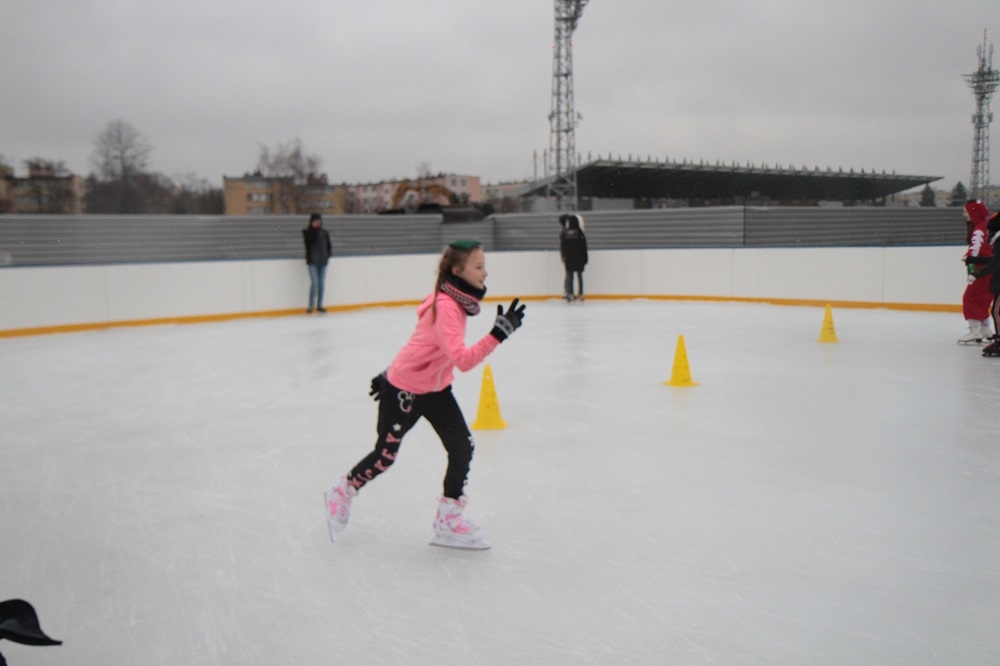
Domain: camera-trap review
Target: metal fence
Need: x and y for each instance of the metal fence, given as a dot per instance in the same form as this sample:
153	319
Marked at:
46	240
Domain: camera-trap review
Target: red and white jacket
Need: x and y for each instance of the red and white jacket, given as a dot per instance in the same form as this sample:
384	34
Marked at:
979	245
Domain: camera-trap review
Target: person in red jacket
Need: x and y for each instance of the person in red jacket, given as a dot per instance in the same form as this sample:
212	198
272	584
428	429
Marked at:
418	384
976	299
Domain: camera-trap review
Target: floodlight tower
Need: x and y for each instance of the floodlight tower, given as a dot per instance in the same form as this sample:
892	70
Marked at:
984	82
562	119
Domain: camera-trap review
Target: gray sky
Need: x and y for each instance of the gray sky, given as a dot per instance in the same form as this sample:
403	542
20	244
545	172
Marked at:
379	88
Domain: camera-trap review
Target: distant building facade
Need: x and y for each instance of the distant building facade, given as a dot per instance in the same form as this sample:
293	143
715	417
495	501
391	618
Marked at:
42	191
254	194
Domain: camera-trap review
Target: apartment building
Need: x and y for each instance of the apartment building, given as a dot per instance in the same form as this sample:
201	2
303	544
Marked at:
42	191
254	194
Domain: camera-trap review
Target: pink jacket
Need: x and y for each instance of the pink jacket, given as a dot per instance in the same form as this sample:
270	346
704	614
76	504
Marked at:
427	362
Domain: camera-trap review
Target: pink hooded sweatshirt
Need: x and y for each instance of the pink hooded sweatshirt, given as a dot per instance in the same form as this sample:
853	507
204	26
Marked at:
427	362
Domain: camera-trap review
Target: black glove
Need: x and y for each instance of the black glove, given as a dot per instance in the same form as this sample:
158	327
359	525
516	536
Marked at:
379	383
507	322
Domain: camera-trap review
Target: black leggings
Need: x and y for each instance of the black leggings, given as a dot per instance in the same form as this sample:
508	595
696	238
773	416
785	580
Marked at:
398	411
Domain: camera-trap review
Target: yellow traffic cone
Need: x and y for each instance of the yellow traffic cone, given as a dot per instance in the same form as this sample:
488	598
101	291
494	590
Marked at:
828	333
681	374
488	417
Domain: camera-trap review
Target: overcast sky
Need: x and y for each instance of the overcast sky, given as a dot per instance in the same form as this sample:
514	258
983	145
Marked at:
379	88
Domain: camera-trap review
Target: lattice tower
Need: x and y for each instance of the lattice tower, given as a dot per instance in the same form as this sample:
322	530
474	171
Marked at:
562	119
984	82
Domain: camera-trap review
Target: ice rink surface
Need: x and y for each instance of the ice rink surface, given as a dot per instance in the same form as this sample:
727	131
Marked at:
808	503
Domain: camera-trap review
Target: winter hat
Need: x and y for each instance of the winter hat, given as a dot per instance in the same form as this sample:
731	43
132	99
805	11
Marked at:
464	244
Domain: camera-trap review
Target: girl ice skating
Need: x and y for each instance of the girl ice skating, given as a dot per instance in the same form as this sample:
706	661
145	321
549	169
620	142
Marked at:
418	384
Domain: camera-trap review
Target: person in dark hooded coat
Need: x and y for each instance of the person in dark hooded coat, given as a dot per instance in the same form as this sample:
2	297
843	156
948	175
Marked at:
318	251
573	250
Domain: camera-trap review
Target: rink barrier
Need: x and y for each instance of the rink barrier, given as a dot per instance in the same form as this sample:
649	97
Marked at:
67	240
55	299
195	319
808	302
205	319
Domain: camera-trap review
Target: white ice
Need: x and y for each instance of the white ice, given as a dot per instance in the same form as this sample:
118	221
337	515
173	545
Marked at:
807	503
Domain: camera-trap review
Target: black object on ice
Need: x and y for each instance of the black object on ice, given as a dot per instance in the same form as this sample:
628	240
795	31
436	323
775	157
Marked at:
19	623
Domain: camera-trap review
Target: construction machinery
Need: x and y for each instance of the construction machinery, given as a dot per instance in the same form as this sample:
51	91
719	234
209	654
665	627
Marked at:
429	202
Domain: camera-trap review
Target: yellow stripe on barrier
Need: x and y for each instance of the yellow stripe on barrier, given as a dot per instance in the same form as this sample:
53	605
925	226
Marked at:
202	319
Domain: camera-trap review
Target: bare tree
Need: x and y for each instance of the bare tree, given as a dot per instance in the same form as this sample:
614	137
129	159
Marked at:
292	163
39	166
288	161
121	155
120	151
194	195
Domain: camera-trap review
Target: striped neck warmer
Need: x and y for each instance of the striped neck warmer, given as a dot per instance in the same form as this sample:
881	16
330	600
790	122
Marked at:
463	292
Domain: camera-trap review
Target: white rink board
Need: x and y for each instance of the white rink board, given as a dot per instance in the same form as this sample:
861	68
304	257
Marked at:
54	296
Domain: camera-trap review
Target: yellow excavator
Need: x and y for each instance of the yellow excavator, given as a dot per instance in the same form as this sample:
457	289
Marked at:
428	200
423	190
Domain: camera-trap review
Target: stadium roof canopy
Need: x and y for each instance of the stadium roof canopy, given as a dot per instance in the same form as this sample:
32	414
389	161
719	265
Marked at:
720	184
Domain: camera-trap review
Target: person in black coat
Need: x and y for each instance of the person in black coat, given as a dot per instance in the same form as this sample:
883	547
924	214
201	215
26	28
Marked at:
573	250
318	251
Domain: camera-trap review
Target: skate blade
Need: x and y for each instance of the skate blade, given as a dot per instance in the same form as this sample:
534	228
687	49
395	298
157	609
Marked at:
450	542
331	523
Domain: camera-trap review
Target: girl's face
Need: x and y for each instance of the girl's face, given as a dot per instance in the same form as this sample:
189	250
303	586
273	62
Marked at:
474	270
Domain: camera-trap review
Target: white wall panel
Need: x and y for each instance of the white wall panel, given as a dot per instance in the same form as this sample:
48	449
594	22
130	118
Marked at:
38	297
